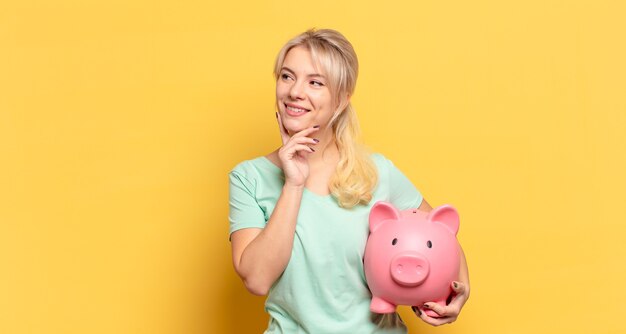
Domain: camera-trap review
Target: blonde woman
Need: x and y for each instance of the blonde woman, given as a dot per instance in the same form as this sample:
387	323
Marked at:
299	215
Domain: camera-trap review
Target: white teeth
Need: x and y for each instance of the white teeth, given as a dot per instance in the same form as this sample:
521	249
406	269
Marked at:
295	109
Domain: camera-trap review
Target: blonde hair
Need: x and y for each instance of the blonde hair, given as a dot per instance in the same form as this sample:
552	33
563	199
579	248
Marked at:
387	320
355	177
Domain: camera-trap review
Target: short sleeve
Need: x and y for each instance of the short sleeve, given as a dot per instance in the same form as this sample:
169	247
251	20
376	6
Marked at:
402	193
244	211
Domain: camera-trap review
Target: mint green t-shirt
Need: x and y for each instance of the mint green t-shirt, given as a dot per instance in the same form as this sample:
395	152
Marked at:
323	288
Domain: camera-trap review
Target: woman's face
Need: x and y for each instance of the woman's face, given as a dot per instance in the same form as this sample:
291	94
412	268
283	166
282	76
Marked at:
302	95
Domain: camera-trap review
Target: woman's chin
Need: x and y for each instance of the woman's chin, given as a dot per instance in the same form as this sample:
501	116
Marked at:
293	131
295	128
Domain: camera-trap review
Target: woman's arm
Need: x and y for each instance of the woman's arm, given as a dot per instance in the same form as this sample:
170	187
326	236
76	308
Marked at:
261	255
425	206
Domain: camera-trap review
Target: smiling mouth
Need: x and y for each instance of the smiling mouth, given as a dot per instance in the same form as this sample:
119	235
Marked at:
296	110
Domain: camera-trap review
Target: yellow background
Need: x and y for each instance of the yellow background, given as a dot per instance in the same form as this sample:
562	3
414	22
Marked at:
119	122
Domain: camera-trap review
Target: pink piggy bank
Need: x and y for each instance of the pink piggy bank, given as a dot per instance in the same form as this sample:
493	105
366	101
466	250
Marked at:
411	256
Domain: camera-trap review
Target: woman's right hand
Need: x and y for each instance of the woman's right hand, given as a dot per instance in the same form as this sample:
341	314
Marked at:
294	153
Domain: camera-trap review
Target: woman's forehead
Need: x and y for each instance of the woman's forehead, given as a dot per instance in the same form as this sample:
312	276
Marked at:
300	61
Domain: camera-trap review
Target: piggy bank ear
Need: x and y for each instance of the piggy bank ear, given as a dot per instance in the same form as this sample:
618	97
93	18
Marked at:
382	211
446	215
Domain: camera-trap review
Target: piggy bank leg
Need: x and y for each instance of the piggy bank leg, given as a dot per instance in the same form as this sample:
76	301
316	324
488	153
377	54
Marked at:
379	305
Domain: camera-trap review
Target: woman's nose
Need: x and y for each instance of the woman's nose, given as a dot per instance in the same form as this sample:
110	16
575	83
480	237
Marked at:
296	91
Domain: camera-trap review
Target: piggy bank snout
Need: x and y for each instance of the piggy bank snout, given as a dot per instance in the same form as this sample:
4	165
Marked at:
409	269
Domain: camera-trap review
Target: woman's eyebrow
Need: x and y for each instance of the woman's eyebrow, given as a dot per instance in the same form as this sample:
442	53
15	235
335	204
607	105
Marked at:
308	75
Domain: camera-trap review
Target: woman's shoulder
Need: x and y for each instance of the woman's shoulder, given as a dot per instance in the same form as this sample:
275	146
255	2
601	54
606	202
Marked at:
377	156
254	166
384	165
379	159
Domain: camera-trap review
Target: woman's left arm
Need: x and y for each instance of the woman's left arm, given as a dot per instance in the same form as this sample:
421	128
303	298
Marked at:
449	313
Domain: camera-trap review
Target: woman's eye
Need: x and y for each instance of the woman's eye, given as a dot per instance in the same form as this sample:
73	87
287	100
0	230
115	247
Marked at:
317	83
284	76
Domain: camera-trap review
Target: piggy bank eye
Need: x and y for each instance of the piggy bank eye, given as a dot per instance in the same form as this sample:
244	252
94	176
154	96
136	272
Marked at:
394	241
429	244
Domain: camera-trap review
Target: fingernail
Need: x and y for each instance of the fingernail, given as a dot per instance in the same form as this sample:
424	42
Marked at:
312	149
416	310
426	306
317	126
316	140
456	285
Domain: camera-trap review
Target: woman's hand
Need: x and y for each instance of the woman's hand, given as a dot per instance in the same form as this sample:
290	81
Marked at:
294	152
449	313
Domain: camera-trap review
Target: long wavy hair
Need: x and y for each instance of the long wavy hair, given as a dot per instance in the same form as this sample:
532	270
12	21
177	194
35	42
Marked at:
355	177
